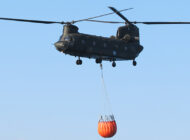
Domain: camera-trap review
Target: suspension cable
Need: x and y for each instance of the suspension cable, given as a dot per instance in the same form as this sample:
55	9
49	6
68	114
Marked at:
107	104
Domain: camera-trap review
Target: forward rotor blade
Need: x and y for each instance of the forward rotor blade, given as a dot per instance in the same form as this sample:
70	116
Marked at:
154	23
33	21
101	21
101	15
119	14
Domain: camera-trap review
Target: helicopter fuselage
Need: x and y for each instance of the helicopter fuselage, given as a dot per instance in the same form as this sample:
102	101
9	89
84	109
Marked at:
97	47
100	48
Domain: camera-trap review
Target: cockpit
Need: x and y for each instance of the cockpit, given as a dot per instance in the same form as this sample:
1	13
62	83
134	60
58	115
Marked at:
68	29
66	40
64	43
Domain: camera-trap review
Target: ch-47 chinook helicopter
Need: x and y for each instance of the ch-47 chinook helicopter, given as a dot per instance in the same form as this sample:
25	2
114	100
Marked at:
124	46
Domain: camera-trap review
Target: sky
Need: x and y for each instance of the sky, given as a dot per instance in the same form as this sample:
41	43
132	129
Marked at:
44	95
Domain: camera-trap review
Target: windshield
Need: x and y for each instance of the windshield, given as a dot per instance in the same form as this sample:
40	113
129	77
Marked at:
67	38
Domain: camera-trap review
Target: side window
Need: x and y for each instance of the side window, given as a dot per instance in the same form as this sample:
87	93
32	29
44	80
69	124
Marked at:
105	45
83	41
94	43
114	53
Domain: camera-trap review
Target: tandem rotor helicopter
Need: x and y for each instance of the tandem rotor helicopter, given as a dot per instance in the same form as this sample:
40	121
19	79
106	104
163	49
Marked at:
124	46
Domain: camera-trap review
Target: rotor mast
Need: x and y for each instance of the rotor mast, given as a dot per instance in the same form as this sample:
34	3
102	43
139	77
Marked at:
119	14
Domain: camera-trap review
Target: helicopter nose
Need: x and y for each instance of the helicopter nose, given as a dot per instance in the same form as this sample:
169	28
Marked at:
61	46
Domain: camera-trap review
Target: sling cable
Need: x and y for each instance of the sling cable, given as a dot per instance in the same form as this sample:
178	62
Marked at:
107	126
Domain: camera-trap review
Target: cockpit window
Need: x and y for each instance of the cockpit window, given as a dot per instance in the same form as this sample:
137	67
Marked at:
67	38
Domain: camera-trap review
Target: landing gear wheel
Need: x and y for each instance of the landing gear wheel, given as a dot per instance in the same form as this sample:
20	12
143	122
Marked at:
113	64
79	62
134	63
98	60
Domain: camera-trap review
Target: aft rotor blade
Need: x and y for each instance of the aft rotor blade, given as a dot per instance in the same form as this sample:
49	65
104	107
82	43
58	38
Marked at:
101	21
101	15
119	14
154	23
136	22
33	21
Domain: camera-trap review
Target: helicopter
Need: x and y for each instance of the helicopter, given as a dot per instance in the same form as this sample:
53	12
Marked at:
124	46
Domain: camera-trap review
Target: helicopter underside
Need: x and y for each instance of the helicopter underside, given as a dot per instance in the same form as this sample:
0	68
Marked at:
97	56
100	58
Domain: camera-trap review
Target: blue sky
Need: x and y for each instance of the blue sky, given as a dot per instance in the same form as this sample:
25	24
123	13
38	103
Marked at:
44	95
